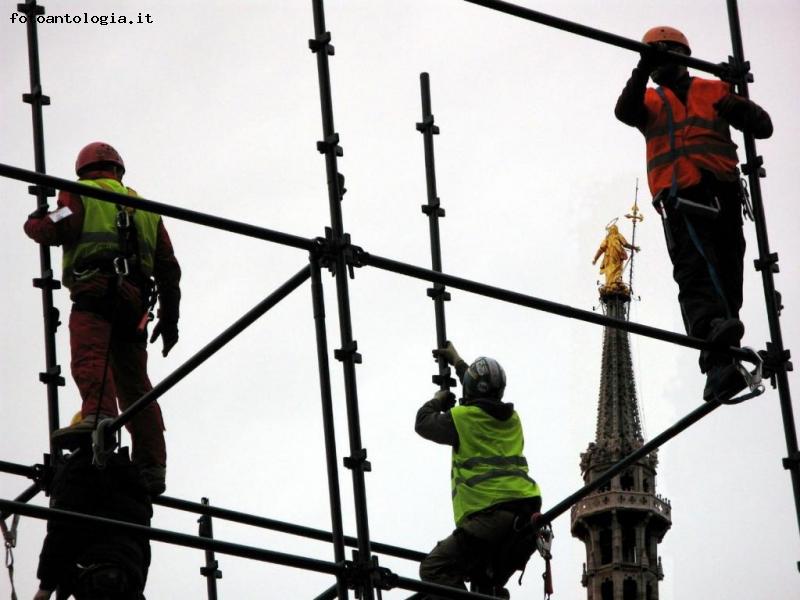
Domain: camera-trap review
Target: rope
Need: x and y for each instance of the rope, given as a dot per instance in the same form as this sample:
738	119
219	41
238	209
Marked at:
10	539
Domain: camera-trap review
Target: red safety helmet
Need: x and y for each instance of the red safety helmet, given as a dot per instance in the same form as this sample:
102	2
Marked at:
664	33
97	152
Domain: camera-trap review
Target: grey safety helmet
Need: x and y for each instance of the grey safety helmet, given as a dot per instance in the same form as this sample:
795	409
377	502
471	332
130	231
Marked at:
484	378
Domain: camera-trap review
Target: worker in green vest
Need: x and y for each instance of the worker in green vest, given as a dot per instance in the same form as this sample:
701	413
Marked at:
112	257
493	495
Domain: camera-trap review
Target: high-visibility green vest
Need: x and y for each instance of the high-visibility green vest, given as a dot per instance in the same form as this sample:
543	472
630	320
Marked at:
99	240
488	467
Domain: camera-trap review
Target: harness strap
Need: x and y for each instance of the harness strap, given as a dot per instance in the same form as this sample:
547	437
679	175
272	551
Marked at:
673	195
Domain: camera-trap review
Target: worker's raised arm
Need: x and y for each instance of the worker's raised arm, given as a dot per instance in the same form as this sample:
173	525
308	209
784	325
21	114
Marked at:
434	421
745	115
630	108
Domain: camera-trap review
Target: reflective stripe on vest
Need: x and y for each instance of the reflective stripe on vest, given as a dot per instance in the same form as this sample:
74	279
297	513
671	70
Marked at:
702	138
488	467
99	240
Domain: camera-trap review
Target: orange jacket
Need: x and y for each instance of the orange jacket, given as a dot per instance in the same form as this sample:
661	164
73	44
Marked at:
702	137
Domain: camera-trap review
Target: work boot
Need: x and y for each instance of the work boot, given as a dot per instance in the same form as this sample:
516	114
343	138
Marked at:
154	477
76	435
723	382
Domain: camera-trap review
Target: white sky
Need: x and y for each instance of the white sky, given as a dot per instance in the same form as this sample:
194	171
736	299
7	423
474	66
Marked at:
215	107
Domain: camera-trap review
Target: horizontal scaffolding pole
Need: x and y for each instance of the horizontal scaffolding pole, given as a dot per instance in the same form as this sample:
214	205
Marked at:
282	526
17	469
720	70
160	208
172	537
439	590
666	435
226	336
555	308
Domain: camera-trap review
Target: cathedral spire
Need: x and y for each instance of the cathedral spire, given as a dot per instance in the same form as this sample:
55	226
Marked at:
622	523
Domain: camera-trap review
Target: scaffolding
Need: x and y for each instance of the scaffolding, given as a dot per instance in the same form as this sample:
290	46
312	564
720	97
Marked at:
336	253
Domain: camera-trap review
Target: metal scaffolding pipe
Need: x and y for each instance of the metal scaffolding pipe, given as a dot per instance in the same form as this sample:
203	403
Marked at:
210	571
434	210
175	212
563	310
329	146
282	526
172	537
719	69
210	349
323	369
46	282
767	264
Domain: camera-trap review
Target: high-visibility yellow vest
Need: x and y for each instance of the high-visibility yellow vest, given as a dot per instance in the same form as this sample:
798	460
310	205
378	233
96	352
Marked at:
99	240
488	467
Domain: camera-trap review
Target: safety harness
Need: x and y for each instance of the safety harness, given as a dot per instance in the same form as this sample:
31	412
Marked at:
685	207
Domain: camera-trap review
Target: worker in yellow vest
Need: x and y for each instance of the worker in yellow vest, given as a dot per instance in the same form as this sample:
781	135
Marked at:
112	257
493	495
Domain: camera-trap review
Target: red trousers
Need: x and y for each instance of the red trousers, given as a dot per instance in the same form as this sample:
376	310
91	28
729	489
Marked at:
126	380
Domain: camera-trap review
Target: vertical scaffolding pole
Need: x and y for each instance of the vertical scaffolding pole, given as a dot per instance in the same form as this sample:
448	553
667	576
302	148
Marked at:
340	589
434	210
338	242
767	264
51	376
210	571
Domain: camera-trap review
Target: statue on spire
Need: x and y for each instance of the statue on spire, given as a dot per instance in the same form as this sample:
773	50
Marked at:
612	249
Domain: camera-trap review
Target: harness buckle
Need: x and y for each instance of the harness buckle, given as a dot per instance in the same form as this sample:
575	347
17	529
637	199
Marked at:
121	266
123	220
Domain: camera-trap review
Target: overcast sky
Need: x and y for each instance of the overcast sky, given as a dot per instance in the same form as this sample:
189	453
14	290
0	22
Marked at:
215	107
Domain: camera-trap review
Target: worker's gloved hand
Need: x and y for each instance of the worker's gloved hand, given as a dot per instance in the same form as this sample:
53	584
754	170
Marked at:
446	399
651	59
43	594
168	330
449	353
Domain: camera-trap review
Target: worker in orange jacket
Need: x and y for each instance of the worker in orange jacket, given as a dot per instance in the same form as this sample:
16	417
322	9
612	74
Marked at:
112	255
693	177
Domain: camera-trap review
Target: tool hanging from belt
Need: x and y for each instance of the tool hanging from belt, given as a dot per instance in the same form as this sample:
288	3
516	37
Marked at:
544	542
10	539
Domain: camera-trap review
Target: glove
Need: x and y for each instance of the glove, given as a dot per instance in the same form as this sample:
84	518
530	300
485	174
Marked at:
446	399
449	353
168	330
652	59
42	594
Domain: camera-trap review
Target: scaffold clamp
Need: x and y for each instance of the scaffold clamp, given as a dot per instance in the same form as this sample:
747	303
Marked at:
36	97
444	379
322	41
357	460
433	209
437	292
52	376
30	7
47	281
735	71
792	461
756	167
427	125
770	262
347	351
330	143
37	190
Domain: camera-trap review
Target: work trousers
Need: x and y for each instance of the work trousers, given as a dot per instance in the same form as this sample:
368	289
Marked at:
709	286
95	345
468	550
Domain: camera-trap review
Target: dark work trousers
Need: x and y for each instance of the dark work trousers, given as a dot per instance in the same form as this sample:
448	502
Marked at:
468	549
126	378
722	241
